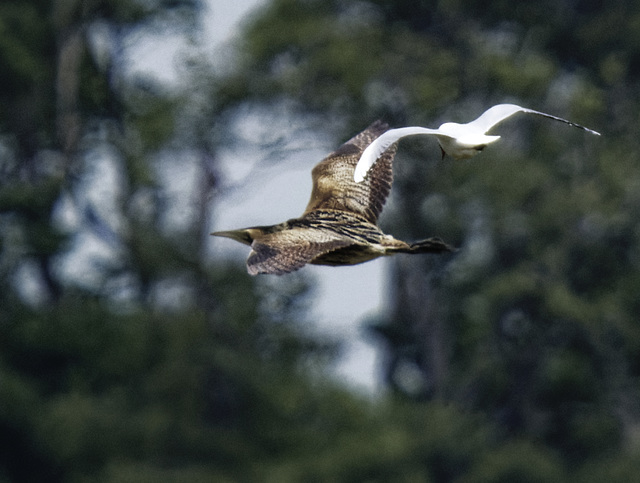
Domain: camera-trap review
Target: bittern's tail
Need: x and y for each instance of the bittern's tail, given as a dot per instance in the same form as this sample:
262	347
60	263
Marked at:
431	245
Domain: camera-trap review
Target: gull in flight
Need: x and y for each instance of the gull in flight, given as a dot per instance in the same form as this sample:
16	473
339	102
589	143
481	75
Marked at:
339	225
460	141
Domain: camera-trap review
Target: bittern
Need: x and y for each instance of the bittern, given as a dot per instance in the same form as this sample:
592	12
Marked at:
460	141
339	225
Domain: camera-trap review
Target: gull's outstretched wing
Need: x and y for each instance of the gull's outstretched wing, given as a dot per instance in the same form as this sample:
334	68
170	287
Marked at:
493	116
286	251
381	144
333	184
500	112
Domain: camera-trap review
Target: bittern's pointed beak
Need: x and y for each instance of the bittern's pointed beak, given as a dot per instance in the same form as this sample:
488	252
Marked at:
242	236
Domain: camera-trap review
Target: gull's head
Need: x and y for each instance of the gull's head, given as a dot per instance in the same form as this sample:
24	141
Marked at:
462	141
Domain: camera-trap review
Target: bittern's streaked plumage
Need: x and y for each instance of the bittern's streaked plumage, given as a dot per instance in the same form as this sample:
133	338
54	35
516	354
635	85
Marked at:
339	225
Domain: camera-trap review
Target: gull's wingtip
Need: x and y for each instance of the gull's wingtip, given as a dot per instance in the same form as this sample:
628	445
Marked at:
591	131
571	123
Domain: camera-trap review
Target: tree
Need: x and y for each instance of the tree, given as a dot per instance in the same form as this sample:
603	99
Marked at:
147	362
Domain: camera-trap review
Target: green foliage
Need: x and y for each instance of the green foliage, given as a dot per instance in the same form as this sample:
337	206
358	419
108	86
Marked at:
95	391
519	461
157	366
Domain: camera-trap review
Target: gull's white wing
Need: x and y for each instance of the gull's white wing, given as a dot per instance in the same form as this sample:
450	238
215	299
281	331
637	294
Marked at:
381	144
499	113
495	115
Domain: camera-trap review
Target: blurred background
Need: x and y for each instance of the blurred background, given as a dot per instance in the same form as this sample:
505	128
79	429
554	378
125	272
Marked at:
134	347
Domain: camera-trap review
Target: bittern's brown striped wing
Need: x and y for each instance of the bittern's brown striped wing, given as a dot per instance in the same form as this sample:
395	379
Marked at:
285	251
333	184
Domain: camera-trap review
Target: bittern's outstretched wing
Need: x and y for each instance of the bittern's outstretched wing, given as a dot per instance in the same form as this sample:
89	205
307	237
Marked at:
334	187
285	251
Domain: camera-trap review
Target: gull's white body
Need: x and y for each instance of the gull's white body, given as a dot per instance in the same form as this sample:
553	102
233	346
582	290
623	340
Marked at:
460	141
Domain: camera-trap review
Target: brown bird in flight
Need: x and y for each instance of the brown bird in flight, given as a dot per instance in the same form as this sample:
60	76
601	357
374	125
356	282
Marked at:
339	225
